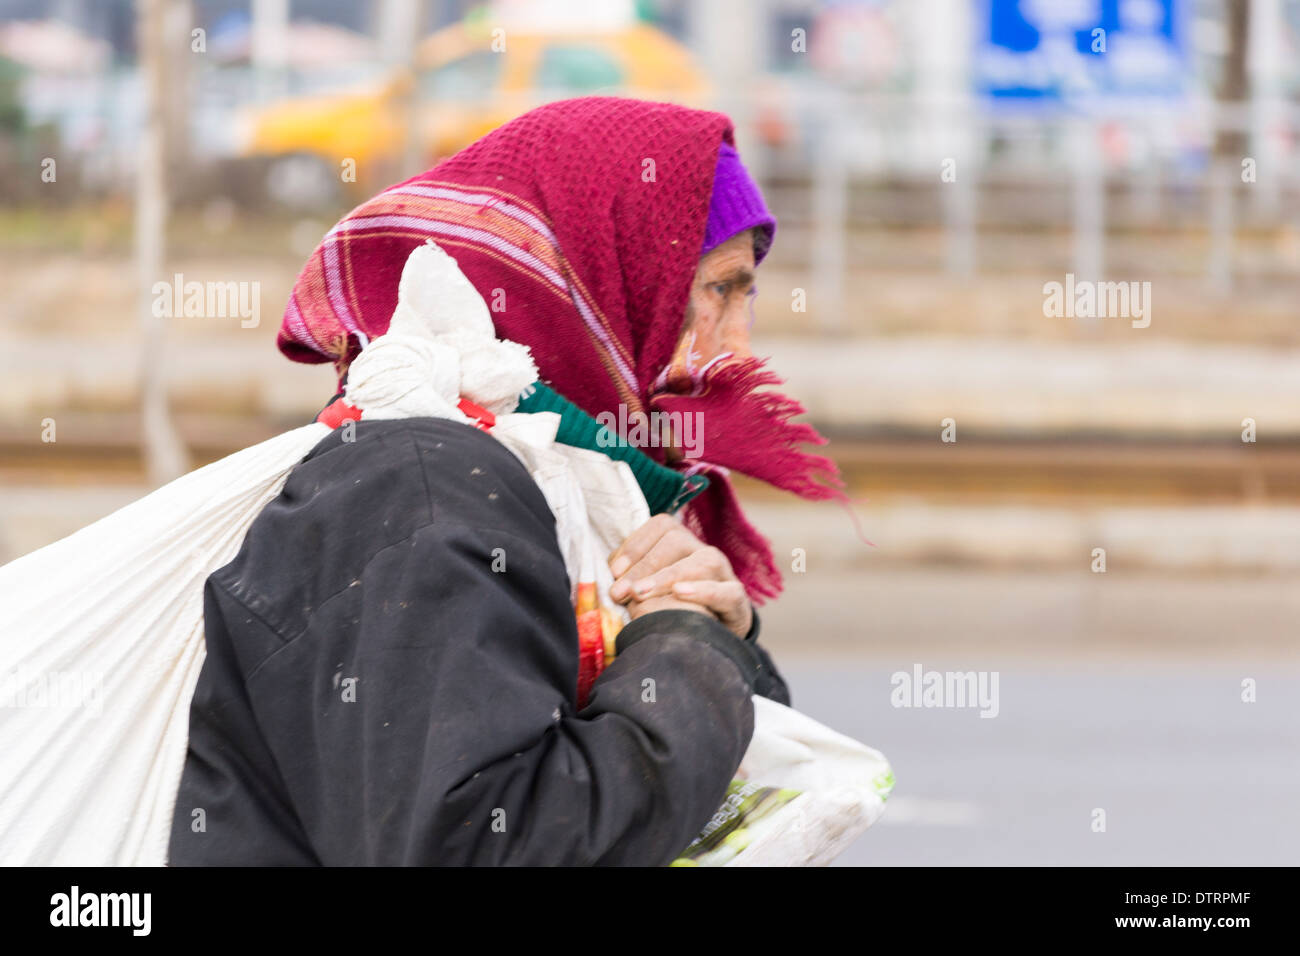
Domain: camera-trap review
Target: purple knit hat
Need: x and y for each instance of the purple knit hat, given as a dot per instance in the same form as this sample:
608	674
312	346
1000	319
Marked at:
737	205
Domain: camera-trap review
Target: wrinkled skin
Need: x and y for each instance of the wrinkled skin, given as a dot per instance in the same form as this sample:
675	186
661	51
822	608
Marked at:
663	565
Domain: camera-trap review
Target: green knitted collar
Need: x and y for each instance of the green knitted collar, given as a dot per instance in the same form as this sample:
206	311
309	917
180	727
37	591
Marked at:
664	489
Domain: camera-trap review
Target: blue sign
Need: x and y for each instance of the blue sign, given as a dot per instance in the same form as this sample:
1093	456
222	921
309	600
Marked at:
1079	53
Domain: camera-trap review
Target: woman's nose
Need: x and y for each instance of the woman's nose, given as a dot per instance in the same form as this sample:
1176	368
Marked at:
735	336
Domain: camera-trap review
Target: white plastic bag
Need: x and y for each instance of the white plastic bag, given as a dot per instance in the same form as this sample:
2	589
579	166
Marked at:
804	793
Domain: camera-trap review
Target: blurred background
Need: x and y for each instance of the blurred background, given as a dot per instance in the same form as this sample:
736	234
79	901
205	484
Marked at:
933	164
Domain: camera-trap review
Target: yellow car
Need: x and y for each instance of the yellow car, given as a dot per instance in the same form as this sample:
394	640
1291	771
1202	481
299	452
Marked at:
466	88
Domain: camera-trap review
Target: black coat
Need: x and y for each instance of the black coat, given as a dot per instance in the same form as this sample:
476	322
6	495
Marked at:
376	693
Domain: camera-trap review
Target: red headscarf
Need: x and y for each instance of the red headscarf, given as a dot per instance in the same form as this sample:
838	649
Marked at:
580	223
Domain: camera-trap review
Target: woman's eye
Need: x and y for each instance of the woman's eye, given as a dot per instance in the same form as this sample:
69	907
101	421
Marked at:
722	288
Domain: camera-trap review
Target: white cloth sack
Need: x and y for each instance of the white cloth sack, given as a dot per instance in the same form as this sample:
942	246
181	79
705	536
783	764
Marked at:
107	625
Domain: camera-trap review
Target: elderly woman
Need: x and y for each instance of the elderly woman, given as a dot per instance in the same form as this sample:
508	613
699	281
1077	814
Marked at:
618	240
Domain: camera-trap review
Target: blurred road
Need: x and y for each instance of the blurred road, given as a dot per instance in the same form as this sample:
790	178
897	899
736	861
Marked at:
1186	772
1119	691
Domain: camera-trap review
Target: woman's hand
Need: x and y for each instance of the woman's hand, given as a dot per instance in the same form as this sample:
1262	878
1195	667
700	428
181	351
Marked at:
662	565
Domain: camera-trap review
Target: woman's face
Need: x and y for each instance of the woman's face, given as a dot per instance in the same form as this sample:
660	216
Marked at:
717	314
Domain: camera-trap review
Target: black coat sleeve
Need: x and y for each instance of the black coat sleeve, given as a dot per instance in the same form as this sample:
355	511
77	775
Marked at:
458	742
770	683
